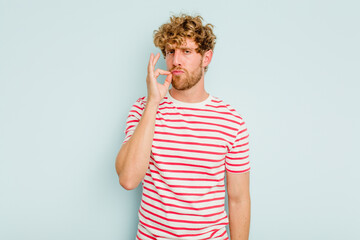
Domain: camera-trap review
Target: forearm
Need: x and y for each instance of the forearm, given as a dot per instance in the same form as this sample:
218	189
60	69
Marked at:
133	158
239	218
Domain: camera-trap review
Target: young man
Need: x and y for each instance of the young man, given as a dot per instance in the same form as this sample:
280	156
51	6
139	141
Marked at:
180	143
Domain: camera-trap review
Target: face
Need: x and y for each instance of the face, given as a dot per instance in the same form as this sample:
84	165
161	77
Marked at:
185	64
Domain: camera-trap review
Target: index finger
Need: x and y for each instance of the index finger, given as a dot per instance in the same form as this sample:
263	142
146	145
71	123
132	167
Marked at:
157	56
162	72
150	67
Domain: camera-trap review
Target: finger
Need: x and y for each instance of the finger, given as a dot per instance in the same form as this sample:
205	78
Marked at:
157	56
150	65
162	72
168	81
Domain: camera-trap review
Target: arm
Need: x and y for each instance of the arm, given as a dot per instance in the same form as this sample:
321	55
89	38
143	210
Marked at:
133	158
239	205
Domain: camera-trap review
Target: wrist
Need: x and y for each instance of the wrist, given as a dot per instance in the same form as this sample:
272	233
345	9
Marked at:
152	104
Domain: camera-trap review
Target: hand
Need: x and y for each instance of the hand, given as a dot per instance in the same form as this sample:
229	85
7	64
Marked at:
156	91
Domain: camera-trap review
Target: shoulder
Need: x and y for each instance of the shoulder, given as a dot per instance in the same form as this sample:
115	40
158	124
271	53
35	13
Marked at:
219	105
141	101
138	106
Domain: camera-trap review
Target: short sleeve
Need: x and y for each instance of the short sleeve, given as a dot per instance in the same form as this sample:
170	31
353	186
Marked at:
237	159
133	118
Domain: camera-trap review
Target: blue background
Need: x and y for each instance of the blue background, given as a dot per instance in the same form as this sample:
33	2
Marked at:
70	71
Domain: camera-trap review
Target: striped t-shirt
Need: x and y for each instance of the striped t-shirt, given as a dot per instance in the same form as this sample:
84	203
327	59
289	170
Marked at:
194	145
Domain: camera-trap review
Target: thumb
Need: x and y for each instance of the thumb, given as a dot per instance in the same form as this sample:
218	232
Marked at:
168	81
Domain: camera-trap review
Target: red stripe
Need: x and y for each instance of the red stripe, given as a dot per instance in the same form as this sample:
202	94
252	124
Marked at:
188	171
220	106
188	158
181	221
187	179
240	151
131	121
197	122
208	110
181	186
134	111
223	234
165	103
140	108
243	130
132	115
168	232
186	164
190	143
188	150
185	201
131	126
147	235
202	116
238	158
183	207
182	214
241	145
212	235
184	194
242	171
237	165
176	228
128	137
240	139
195	129
170	107
194	136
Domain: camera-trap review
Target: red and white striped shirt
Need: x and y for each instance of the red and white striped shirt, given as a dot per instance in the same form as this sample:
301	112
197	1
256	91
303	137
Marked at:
183	189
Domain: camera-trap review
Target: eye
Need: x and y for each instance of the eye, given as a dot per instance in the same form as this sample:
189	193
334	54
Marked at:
187	51
168	52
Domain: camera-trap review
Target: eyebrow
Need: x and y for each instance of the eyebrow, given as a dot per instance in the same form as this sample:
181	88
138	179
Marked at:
186	48
181	48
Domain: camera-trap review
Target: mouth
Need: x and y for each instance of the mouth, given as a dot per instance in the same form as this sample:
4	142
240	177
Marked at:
177	72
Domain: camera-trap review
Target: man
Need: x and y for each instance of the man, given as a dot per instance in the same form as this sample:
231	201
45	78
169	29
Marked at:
180	143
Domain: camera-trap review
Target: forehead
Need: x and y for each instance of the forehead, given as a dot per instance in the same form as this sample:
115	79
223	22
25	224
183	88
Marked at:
188	43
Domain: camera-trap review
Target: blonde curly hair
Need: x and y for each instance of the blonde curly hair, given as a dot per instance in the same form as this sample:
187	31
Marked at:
185	26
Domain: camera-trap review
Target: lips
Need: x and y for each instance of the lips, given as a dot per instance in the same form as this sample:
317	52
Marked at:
177	72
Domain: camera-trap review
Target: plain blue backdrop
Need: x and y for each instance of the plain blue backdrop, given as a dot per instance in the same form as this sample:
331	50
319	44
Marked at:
70	71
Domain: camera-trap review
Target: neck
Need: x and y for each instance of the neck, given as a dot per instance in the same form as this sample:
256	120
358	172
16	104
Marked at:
193	95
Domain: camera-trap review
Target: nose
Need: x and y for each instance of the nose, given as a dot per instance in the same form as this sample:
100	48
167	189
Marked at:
177	58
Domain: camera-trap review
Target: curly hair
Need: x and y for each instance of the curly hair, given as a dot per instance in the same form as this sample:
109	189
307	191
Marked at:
184	26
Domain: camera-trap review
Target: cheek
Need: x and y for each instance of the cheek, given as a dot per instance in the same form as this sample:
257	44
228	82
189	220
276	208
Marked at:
168	64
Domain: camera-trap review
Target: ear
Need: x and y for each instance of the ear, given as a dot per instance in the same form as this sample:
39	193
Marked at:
207	58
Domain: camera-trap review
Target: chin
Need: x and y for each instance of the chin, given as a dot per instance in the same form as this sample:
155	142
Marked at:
180	88
183	86
179	84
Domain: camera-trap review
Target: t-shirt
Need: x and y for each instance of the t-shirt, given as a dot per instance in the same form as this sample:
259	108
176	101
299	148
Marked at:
194	145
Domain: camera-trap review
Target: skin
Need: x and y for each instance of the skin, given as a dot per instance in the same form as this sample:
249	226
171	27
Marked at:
191	62
239	205
131	163
184	78
186	70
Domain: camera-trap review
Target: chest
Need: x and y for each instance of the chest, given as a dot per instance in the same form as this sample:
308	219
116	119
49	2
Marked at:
193	133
